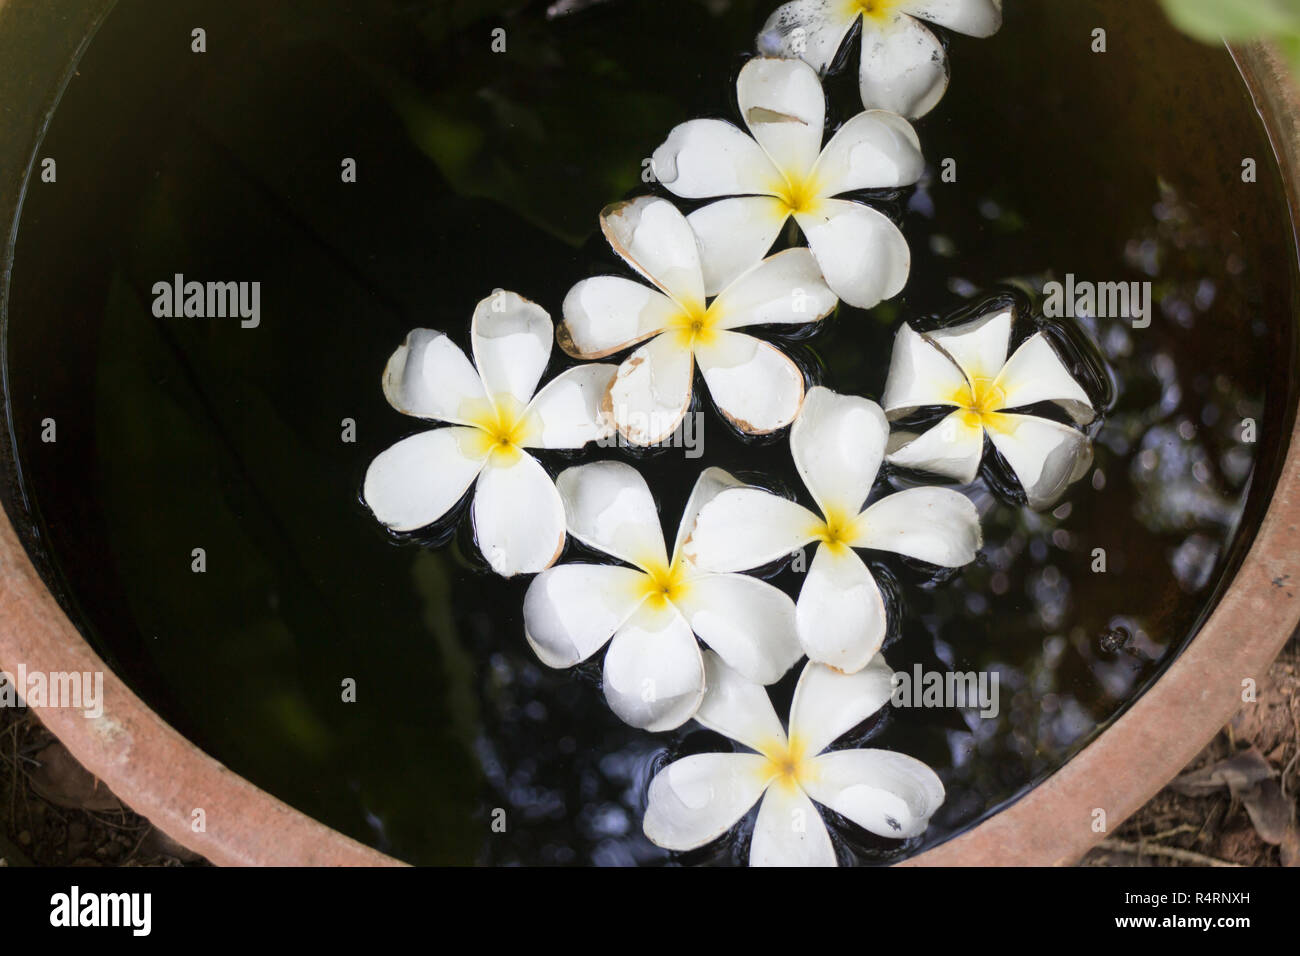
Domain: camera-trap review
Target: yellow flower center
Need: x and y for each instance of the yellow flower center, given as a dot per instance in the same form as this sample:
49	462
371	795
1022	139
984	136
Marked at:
838	531
875	9
980	403
504	428
788	764
663	583
797	194
696	325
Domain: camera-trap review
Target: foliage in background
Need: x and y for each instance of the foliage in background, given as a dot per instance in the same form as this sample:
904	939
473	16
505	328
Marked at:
1213	20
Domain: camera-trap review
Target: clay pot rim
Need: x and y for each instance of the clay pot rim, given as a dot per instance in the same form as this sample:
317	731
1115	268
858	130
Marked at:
1053	823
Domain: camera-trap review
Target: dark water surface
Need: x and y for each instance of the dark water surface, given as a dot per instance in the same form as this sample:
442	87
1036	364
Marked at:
480	170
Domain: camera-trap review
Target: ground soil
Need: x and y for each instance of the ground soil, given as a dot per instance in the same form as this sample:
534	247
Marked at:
54	813
1216	829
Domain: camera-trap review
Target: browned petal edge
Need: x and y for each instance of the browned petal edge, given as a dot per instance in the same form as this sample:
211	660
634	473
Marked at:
1052	825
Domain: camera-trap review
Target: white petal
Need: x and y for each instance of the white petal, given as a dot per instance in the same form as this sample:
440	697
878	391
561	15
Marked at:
704	158
652	390
978	347
654	676
738	708
570	611
976	18
754	384
1035	373
747	527
518	516
734	236
937	525
873	150
838	443
417	481
512	343
889	794
697	799
430	377
785	289
783	105
608	314
748	622
920	375
789	831
863	256
812	30
609	507
828	704
566	413
656	240
711	483
840	612
1045	455
904	67
953	448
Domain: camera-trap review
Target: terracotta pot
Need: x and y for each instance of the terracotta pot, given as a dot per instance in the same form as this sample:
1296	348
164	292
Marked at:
144	761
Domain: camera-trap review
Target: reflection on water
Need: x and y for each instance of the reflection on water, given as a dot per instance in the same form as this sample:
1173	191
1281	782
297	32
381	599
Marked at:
1180	438
479	172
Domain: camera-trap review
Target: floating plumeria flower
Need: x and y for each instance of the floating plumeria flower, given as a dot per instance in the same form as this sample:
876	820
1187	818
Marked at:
967	366
755	385
904	65
654	675
697	799
838	444
783	172
518	514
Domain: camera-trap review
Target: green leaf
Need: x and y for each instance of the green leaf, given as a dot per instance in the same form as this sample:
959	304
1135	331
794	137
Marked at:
1290	47
1211	20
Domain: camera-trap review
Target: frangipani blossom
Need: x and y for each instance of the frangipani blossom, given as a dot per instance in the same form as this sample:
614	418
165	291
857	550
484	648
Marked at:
783	172
654	674
838	445
495	417
753	383
904	65
697	799
967	366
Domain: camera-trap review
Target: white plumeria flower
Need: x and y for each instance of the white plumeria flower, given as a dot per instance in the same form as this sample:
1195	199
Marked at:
783	172
838	445
753	383
518	514
967	366
654	674
904	65
697	799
